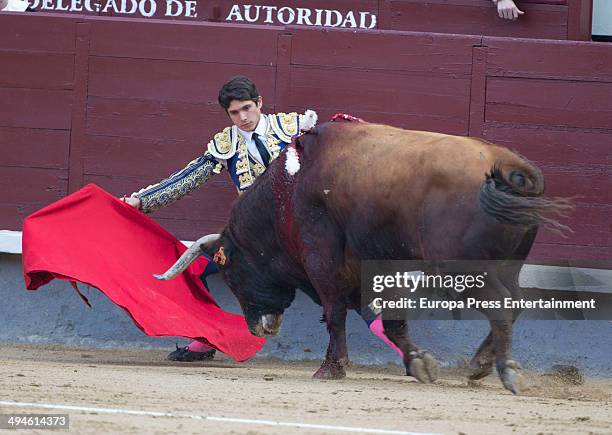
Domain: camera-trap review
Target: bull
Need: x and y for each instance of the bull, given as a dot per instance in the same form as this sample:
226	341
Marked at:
347	192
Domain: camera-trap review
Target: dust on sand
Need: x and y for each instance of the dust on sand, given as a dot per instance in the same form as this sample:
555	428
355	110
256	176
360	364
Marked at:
266	389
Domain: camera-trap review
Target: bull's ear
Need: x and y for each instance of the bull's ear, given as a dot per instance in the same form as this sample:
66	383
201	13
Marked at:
220	258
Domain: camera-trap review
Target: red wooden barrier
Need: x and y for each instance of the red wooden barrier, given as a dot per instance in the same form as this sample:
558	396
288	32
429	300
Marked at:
34	112
552	19
101	100
559	113
541	20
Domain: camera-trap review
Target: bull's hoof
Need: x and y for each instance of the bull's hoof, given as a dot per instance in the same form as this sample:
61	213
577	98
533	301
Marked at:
481	369
510	375
481	372
423	366
330	371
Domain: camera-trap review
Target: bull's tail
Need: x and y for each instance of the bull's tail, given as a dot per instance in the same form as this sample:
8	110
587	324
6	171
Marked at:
189	256
516	199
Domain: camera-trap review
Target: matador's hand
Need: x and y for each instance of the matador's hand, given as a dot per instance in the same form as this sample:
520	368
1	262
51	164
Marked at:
507	9
132	200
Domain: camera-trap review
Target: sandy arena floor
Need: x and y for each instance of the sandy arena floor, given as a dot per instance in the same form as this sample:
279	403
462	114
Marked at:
108	383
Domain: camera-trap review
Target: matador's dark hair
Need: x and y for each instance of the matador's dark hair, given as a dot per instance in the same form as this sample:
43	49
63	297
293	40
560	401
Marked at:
239	88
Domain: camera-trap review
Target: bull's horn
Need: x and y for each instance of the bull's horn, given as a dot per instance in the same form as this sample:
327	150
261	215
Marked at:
188	257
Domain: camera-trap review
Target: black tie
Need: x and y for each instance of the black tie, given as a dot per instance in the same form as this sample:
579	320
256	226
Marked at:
263	152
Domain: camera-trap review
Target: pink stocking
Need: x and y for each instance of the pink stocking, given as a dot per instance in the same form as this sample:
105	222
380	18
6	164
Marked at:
377	329
198	346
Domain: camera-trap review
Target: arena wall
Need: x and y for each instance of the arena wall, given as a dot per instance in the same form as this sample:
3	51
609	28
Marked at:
551	19
100	100
123	102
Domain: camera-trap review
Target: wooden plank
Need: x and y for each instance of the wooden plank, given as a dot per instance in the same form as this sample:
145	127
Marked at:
183	41
546	2
156	158
152	119
79	114
561	146
479	2
549	59
384	14
580	16
575	163
477	91
411	121
32	185
283	73
549	102
35	108
151	79
589	182
478	17
382	92
565	252
36	70
426	54
38	32
591	226
13	214
34	147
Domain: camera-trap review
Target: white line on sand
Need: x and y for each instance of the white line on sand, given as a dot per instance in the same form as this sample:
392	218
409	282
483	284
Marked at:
210	418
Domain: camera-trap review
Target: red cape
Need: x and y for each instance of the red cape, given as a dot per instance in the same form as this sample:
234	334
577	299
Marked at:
94	238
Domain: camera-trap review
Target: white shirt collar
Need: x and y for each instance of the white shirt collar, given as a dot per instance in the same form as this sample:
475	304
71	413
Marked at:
261	129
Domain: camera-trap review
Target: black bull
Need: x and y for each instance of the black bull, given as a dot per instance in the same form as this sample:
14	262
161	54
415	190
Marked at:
368	191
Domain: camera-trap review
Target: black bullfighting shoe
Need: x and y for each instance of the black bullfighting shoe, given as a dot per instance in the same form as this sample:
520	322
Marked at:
183	354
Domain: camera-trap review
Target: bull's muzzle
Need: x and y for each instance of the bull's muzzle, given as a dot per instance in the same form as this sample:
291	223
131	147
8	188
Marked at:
267	325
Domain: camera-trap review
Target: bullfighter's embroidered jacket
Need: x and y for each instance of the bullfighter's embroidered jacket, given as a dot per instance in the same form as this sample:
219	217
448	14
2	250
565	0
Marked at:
227	150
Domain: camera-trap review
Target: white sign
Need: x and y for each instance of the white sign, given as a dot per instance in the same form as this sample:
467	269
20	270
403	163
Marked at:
145	8
301	16
277	15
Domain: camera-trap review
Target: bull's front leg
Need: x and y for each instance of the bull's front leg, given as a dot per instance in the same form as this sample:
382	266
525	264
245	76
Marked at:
323	259
337	354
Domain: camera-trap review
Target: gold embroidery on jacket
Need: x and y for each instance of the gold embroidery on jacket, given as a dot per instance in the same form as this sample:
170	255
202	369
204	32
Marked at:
245	180
272	144
222	145
281	128
243	167
276	124
258	168
289	123
218	168
178	184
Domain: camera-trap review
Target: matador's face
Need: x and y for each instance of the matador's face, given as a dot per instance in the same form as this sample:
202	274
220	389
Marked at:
245	114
